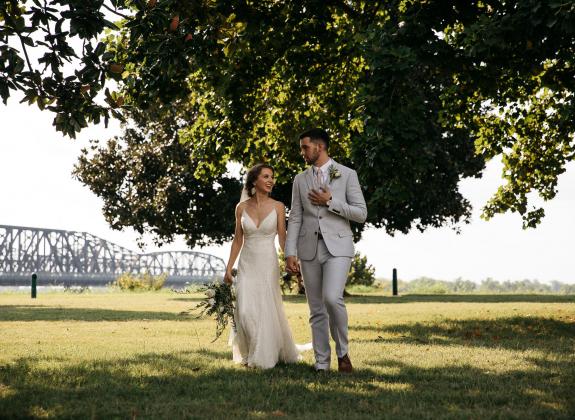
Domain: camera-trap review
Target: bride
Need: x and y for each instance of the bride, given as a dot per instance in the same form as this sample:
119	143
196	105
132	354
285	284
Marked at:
263	336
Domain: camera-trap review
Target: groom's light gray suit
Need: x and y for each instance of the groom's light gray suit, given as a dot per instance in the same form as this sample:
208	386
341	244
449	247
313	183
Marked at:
325	262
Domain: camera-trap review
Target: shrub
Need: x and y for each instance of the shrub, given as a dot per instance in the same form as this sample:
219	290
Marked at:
463	286
360	272
145	281
426	285
76	289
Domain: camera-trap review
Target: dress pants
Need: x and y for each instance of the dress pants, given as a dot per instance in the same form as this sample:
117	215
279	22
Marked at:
324	279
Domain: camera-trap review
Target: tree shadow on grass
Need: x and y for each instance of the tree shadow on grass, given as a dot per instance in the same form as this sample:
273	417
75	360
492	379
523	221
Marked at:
516	333
374	299
294	298
495	298
187	299
196	384
210	354
56	313
464	391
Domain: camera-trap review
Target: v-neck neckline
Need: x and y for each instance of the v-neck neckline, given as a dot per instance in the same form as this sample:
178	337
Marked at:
252	220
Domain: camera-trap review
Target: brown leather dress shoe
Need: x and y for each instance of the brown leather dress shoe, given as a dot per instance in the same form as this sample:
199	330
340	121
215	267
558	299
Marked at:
344	364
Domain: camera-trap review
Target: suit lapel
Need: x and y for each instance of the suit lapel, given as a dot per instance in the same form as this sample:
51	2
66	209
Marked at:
309	175
309	182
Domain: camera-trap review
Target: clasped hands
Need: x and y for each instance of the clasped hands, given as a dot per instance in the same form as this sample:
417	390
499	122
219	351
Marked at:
292	265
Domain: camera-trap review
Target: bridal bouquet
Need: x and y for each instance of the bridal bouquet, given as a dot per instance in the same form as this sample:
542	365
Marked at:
219	303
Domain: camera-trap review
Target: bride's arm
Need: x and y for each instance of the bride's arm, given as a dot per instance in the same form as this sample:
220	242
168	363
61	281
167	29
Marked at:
236	244
281	210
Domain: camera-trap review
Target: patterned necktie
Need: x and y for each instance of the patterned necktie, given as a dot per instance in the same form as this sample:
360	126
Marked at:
319	177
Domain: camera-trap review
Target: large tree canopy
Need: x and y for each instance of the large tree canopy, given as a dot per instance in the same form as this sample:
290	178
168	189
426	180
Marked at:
416	94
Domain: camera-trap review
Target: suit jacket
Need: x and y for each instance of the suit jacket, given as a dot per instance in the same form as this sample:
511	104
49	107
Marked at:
306	220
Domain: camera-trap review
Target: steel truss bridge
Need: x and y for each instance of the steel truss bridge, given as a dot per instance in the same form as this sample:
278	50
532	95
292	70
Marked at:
67	257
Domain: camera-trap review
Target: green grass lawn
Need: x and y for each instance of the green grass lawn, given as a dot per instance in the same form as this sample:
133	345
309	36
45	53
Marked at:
134	355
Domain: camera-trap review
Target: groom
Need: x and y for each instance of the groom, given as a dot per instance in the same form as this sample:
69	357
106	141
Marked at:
325	198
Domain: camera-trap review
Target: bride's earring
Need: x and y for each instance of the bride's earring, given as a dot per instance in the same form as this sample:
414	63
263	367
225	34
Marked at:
253	191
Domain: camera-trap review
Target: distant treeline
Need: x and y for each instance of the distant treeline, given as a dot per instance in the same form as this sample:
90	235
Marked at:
426	285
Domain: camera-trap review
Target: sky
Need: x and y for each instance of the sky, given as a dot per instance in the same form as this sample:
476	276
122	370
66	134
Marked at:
37	190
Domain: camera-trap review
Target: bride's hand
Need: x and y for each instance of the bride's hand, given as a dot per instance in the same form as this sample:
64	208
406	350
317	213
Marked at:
228	278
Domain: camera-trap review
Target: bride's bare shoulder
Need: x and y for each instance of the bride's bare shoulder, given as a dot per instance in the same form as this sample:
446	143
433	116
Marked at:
240	207
280	207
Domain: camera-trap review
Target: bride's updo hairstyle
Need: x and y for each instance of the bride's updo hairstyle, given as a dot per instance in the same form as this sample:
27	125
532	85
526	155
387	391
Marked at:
252	177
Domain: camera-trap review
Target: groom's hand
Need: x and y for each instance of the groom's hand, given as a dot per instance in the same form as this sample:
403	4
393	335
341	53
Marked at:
319	198
291	264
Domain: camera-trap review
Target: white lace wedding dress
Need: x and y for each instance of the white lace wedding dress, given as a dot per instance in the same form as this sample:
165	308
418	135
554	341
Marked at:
263	336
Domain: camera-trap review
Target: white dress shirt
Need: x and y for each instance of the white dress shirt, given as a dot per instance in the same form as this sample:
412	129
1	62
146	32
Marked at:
324	171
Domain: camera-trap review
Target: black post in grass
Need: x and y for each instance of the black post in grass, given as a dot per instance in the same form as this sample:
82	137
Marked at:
394	282
34	281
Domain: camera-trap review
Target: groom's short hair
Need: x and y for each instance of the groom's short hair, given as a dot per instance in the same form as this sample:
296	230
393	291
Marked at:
316	135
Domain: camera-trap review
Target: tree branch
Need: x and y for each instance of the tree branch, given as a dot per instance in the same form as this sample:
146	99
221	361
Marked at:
115	11
26	53
13	24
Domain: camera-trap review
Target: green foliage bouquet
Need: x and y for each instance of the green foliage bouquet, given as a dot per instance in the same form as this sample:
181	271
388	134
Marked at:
219	303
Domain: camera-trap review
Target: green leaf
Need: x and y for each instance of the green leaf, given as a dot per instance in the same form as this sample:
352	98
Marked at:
28	41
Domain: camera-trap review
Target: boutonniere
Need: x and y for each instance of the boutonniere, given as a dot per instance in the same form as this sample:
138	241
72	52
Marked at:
333	172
